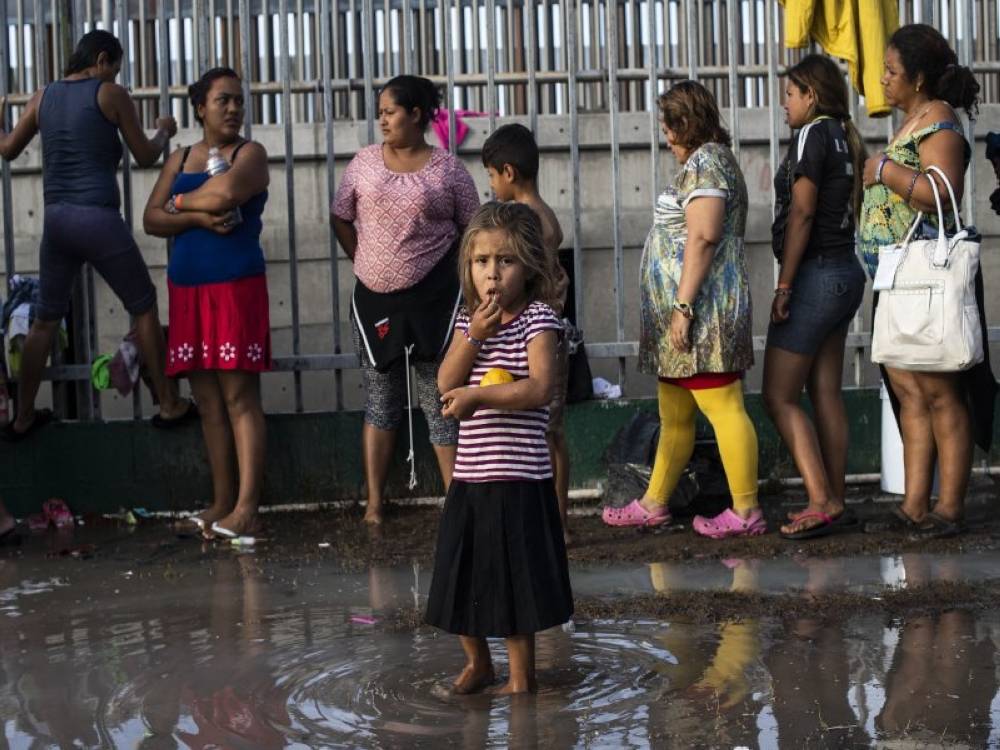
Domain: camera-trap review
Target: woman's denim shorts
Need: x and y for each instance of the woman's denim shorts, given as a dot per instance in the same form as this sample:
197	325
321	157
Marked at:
826	294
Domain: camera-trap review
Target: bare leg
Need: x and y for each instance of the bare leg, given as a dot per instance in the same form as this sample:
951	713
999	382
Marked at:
478	671
241	391
34	355
918	442
6	520
218	443
785	374
559	454
446	462
521	654
952	428
825	381
377	446
153	346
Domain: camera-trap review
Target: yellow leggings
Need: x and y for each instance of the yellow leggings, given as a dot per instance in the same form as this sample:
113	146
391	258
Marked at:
734	433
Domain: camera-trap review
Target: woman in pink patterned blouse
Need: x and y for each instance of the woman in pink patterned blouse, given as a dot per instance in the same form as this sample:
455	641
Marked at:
399	213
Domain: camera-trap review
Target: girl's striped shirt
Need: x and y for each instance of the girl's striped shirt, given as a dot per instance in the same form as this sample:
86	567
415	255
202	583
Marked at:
496	445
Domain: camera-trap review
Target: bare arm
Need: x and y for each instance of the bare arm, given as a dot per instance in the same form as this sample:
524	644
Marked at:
800	219
14	142
156	221
118	107
531	392
943	149
705	217
346	234
247	177
457	363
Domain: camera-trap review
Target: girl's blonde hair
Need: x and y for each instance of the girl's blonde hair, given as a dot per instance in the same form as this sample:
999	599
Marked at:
523	229
820	74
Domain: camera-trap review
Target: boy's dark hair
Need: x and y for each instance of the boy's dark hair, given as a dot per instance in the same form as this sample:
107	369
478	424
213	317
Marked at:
198	91
515	145
90	47
415	92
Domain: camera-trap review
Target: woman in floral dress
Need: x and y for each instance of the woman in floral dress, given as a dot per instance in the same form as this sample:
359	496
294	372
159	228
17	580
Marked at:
696	317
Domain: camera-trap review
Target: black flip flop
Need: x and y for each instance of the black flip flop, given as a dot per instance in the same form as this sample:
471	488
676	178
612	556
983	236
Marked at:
830	525
938	527
42	418
168	424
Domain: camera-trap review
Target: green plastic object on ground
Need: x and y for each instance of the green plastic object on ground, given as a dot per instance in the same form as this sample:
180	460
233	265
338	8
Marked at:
100	374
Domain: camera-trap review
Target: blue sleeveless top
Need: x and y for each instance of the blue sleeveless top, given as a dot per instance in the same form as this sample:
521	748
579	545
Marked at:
201	256
80	146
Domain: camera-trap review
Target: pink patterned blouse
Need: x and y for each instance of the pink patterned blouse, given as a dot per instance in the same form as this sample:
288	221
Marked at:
406	221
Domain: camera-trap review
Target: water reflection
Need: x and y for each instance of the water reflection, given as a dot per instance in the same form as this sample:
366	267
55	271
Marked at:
231	652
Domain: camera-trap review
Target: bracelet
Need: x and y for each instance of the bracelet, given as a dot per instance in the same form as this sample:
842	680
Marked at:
472	339
783	291
685	309
913	184
879	168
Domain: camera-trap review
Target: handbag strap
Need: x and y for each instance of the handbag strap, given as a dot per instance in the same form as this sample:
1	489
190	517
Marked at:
941	250
951	195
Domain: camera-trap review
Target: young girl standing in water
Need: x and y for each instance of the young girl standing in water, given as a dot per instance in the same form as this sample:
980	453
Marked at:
500	568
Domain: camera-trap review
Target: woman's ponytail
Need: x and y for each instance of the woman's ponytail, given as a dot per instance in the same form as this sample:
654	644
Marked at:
858	152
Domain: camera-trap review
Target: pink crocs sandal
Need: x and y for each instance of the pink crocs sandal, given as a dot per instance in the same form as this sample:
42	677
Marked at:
634	514
728	524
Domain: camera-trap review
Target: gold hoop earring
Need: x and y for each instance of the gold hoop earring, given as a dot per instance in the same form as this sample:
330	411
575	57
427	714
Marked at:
918	87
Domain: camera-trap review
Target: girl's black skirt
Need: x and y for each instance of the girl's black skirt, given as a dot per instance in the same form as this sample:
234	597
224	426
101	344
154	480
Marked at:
500	567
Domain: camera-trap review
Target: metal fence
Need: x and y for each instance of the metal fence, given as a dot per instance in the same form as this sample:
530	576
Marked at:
321	61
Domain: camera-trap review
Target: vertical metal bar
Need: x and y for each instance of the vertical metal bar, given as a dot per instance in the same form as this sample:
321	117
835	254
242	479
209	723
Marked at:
733	31
424	65
246	50
38	29
203	20
8	206
213	36
772	85
406	25
572	104
368	62
654	87
21	53
968	11
477	51
691	40
325	51
532	64
230	36
447	26
163	60
293	256
491	62
611	17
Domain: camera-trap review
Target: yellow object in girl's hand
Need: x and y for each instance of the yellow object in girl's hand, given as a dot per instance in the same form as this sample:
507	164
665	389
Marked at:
496	376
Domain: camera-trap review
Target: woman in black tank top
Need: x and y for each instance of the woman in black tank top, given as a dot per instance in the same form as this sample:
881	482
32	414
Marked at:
80	117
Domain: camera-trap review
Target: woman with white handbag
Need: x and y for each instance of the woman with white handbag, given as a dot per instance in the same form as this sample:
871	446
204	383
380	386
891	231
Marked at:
943	401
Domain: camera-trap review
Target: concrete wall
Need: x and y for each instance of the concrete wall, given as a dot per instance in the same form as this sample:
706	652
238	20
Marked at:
556	186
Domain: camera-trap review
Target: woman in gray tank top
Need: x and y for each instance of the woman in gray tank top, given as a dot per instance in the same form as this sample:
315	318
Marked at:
80	118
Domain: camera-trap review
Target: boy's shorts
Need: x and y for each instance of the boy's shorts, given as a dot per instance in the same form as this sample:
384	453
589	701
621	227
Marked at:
557	407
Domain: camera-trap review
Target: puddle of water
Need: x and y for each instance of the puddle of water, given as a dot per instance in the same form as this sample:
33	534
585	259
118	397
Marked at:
234	653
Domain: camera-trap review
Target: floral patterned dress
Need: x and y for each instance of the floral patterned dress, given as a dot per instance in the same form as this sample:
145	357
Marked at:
885	216
721	331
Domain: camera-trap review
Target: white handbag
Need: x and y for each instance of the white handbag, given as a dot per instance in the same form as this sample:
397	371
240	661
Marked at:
927	318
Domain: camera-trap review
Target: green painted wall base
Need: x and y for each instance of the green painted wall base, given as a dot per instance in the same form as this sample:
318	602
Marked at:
317	457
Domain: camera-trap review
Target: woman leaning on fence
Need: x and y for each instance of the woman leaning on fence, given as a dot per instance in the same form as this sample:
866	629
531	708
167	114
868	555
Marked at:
399	212
695	316
80	118
940	414
209	198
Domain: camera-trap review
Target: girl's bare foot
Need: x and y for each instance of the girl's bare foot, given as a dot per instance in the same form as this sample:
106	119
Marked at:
472	679
373	514
516	688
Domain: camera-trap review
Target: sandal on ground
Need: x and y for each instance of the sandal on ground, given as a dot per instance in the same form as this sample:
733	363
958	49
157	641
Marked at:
57	513
634	514
222	531
168	424
729	523
894	519
827	524
42	418
935	526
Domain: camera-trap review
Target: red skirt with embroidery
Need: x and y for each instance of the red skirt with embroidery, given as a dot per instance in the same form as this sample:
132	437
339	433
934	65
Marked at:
224	326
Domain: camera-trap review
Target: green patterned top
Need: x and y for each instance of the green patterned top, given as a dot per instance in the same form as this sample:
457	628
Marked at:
720	334
885	216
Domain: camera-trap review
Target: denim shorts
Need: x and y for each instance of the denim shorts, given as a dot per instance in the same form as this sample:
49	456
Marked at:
826	294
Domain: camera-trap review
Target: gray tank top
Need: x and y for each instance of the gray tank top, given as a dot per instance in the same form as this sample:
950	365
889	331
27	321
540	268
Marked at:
80	146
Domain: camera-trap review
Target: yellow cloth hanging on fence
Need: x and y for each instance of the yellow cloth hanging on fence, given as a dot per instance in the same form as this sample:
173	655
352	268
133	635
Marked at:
857	31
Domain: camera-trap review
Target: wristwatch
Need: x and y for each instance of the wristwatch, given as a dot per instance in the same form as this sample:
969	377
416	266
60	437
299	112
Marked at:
685	309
